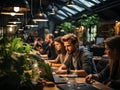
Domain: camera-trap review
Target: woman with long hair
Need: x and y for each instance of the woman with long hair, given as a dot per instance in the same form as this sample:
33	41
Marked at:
112	70
61	53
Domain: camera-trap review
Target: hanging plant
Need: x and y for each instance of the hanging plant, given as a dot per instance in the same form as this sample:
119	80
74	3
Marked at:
93	20
67	27
83	21
88	21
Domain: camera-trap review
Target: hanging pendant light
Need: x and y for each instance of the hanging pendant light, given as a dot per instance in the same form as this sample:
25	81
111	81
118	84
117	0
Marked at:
16	5
70	3
32	23
14	20
41	16
20	29
11	13
11	25
52	10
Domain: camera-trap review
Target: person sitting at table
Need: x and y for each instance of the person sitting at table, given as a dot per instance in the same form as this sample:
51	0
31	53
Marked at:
112	70
35	42
41	46
61	53
50	49
79	60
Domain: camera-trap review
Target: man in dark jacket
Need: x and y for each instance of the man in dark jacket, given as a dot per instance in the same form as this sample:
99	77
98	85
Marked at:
79	60
51	52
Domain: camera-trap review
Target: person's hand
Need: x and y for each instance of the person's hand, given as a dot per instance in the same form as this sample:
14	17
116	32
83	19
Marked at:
91	78
38	53
47	62
88	78
60	71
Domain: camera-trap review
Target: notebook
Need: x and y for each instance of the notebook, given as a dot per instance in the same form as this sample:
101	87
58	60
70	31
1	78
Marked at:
79	86
59	79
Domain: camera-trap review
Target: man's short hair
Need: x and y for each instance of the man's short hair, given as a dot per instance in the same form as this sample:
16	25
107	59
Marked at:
51	36
71	37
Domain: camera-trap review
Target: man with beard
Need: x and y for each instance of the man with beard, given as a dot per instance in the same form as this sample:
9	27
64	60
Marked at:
79	60
50	49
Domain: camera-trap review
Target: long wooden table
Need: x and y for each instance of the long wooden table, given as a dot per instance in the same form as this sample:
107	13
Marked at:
96	84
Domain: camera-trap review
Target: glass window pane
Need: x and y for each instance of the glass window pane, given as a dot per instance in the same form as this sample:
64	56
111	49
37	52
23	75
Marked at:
70	10
87	3
61	17
61	12
96	1
78	8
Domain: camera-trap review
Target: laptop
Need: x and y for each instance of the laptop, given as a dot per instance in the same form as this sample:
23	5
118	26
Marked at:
79	86
59	79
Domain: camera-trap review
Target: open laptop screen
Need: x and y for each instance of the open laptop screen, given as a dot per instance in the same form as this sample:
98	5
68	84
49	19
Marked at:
99	40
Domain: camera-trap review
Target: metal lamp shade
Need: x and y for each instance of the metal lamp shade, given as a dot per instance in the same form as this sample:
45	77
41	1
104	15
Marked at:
70	3
40	17
22	4
11	25
15	20
12	13
32	23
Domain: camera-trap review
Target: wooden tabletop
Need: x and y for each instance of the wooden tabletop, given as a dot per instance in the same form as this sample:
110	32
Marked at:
96	84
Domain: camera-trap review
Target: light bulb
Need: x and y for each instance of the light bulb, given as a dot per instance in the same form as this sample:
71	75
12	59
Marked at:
16	9
14	22
40	14
10	29
61	30
56	32
12	14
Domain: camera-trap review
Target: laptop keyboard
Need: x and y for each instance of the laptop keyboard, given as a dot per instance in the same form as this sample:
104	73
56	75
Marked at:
59	79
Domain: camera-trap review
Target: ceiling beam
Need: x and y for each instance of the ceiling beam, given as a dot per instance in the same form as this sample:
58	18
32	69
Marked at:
107	5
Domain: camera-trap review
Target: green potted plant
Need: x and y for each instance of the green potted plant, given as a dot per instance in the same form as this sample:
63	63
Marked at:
87	22
67	27
18	63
